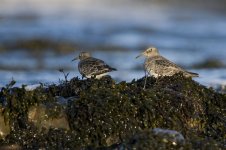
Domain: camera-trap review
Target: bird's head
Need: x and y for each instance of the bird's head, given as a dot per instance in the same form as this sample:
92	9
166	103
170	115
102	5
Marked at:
150	52
82	55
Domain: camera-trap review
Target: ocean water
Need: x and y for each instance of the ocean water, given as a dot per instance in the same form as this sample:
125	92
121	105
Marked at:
185	35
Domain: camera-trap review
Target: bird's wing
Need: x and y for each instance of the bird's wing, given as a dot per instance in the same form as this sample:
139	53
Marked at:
171	68
167	65
93	66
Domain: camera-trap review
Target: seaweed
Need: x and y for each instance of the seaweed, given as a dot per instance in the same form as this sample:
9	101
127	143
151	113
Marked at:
104	114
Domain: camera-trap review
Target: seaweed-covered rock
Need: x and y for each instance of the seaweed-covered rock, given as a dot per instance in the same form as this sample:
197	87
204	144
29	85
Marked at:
116	111
209	63
76	86
103	113
172	136
10	147
50	116
4	125
148	140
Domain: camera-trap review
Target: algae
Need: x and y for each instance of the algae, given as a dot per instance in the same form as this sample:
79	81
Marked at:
48	116
104	114
210	63
147	140
39	44
4	125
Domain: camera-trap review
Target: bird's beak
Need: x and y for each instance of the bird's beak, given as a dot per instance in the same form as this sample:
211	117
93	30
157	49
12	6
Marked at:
76	58
139	55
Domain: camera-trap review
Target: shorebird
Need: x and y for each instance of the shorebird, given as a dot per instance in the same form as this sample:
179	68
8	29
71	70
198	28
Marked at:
156	65
89	66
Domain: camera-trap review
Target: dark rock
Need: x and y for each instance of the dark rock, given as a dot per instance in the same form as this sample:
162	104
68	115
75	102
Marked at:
11	147
147	140
4	125
172	136
42	117
105	114
209	63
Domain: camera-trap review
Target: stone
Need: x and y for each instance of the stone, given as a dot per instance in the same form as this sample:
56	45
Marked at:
4	125
40	116
169	136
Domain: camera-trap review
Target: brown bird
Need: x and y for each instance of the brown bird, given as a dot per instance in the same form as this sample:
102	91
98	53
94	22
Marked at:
89	66
156	65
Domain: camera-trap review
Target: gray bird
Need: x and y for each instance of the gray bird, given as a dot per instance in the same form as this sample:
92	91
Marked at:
92	67
156	65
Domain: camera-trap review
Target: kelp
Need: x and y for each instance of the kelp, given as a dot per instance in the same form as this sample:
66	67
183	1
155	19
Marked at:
103	113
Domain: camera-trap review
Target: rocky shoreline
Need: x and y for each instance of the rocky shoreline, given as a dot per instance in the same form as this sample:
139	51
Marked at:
171	113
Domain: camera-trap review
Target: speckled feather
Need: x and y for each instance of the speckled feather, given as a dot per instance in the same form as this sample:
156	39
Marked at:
160	66
93	67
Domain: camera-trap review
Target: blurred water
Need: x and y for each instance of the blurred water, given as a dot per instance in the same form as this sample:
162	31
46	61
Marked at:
183	34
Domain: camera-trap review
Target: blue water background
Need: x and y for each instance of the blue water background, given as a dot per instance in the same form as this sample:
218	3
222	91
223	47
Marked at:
185	35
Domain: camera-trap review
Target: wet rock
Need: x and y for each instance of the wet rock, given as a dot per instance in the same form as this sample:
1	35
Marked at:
220	88
103	113
122	109
32	87
11	147
38	45
48	117
76	86
172	136
209	63
4	125
64	101
147	139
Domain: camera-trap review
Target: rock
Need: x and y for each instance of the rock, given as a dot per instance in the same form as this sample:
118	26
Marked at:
32	87
209	63
123	109
154	139
4	125
172	136
76	86
103	113
43	117
64	101
11	147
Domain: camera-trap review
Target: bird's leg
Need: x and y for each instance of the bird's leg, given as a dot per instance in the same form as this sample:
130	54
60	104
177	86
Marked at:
145	80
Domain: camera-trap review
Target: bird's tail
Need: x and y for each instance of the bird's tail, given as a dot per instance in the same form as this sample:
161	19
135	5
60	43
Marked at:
193	74
112	69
